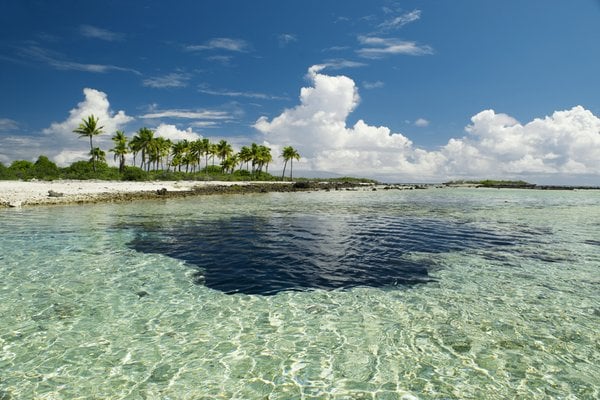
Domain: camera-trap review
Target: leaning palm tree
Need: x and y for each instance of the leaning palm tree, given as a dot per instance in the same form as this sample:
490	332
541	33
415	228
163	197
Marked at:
120	149
89	128
289	154
266	157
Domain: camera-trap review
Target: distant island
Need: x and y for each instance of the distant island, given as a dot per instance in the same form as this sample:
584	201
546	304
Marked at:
508	184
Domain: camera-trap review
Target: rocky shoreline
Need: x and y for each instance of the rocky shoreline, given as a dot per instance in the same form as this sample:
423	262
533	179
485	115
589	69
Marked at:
84	192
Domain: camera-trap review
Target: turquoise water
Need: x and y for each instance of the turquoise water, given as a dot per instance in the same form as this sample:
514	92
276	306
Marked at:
483	294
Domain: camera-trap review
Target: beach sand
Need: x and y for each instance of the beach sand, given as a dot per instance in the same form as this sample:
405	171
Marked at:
20	193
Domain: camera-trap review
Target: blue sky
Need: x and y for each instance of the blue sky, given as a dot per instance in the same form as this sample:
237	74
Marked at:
399	90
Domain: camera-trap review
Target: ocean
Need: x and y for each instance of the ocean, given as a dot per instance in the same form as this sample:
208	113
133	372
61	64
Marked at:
441	293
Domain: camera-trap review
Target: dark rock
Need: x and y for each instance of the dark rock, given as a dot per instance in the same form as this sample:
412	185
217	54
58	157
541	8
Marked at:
52	193
161	192
142	293
302	185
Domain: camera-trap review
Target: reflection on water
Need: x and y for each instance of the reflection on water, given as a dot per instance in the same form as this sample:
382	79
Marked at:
259	255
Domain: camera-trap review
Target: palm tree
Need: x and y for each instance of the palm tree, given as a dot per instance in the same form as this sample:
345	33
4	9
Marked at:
89	128
213	151
178	151
142	142
229	163
97	155
266	157
224	150
206	146
196	151
120	148
245	156
289	154
164	149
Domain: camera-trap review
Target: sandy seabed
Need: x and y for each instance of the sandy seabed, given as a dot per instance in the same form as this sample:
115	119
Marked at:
28	193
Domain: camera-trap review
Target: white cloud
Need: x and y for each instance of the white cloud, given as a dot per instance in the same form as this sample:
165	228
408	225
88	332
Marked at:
204	124
233	93
63	143
229	44
567	142
377	47
7	124
496	145
373	85
99	33
172	80
287	38
221	59
187	114
171	132
38	54
421	122
401	20
340	63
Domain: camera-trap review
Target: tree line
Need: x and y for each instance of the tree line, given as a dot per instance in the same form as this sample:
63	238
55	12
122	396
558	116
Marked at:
156	153
154	157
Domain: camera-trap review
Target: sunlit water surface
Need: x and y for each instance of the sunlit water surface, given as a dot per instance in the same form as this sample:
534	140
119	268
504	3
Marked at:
430	294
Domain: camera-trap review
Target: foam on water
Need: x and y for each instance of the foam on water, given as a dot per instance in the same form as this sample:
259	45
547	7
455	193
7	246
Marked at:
509	307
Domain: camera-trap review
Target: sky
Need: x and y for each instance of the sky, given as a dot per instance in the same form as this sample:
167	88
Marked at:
400	91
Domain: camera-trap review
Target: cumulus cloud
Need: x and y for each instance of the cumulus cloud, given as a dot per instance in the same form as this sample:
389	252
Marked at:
566	142
495	144
173	133
65	143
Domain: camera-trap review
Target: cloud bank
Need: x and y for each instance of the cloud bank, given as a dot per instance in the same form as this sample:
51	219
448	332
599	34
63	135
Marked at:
564	144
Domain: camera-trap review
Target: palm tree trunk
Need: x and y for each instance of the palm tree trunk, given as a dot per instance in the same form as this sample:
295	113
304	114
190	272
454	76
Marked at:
284	165
291	168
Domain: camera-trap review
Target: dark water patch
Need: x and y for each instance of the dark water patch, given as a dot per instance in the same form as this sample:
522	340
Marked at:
255	255
592	242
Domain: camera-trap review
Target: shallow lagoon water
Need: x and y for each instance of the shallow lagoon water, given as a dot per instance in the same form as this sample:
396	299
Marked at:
432	294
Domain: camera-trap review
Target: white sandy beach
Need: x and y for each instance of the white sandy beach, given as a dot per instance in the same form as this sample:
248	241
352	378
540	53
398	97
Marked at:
20	193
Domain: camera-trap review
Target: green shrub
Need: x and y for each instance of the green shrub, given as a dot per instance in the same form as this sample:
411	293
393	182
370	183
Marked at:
6	173
84	170
45	169
134	174
22	169
213	169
